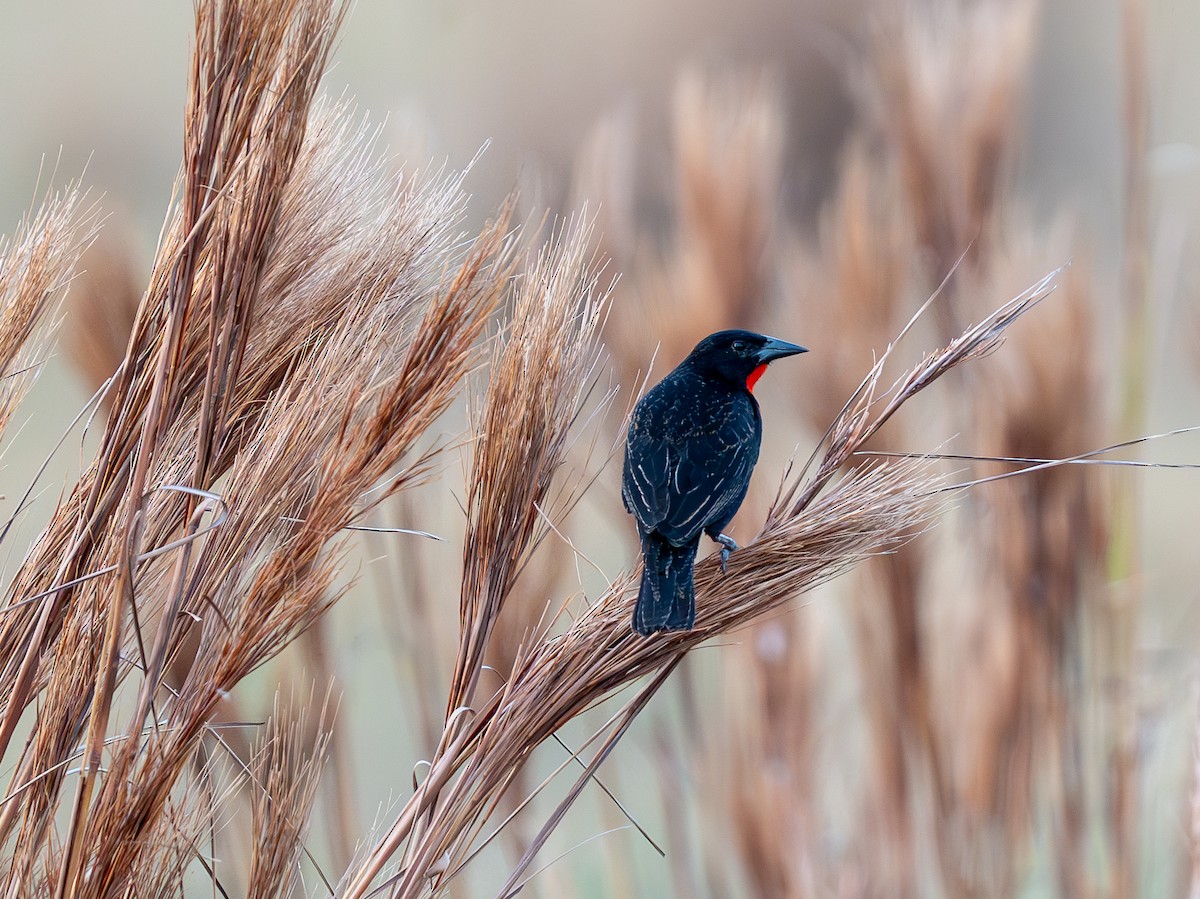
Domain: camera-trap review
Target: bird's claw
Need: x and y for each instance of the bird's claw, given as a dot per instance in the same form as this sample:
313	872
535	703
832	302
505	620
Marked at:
728	545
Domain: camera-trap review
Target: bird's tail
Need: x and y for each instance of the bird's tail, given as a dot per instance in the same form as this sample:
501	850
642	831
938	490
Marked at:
667	600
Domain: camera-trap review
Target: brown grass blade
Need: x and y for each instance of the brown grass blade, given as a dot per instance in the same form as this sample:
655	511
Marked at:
284	774
276	50
539	379
299	276
36	265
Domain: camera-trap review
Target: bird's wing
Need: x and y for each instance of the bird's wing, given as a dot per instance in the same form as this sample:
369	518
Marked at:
680	486
709	482
646	480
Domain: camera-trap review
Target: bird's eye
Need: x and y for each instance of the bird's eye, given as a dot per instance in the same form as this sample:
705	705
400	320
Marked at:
739	346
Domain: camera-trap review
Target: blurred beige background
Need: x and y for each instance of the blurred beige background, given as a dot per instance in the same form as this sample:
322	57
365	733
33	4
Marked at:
105	83
98	88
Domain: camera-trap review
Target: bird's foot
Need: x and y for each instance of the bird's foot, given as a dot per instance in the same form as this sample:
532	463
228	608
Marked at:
728	545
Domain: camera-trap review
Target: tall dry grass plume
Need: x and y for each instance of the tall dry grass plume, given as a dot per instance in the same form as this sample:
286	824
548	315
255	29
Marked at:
323	338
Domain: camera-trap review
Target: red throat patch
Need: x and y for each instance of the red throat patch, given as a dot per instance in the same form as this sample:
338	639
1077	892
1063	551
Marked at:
753	377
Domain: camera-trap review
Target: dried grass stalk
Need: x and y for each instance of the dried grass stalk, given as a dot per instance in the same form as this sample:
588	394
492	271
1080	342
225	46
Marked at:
1039	541
284	773
946	90
309	317
36	264
851	296
267	572
715	272
101	308
1124	562
538	380
729	146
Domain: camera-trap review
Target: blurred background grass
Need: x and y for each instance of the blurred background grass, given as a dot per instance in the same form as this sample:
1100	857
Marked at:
99	88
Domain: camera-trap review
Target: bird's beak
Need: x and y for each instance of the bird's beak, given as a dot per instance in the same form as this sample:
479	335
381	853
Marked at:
776	349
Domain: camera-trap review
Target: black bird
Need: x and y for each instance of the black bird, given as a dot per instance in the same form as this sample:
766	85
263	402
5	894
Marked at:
692	444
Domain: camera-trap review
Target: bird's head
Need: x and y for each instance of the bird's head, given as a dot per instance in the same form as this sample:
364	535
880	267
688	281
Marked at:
739	357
